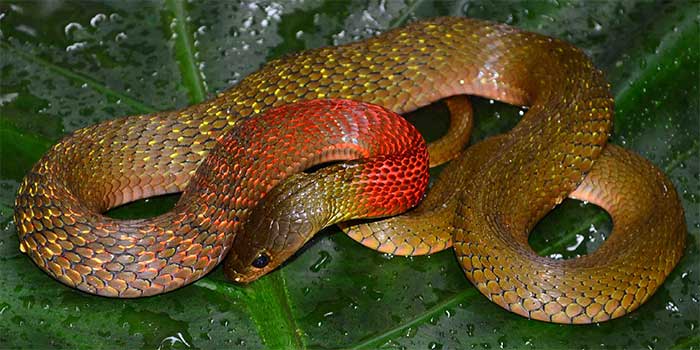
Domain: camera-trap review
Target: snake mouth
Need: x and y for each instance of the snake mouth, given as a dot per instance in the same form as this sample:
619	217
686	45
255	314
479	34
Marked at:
239	277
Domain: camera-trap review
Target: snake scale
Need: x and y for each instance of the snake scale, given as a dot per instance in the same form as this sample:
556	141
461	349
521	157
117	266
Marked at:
484	204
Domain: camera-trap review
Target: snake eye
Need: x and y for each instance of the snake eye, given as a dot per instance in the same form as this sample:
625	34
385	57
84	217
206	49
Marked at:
261	261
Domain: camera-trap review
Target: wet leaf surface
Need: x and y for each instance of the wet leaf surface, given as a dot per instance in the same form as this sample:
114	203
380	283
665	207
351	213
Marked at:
69	65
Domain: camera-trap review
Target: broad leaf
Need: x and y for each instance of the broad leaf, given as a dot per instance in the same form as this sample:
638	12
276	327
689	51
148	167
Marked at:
69	65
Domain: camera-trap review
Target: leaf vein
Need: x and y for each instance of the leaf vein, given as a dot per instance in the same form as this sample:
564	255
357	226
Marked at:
77	77
184	52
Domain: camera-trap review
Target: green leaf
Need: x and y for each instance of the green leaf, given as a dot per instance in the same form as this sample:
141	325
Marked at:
67	65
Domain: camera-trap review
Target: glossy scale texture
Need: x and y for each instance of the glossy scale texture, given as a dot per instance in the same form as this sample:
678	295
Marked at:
486	203
70	240
541	162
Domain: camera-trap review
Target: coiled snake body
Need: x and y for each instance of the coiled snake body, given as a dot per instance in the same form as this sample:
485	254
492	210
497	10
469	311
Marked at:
497	190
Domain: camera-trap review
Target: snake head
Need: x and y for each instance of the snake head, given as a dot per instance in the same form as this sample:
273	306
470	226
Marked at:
284	220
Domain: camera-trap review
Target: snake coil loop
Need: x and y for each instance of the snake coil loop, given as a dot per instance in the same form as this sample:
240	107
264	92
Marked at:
231	151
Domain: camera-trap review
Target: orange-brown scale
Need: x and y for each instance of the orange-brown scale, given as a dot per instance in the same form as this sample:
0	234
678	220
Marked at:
144	257
487	201
126	159
542	160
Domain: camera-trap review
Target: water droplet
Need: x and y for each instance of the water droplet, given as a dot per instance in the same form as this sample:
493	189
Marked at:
76	46
4	307
7	98
248	23
71	28
115	17
172	340
670	306
97	19
24	29
411	332
579	239
502	342
434	346
323	260
120	37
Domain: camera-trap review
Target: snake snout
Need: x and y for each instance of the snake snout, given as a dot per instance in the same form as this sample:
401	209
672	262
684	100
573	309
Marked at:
237	272
238	277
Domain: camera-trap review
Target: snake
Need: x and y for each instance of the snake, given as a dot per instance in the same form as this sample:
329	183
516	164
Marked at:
242	204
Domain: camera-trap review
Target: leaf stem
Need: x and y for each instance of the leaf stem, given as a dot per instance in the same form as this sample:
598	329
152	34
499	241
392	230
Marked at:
268	305
184	51
401	20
